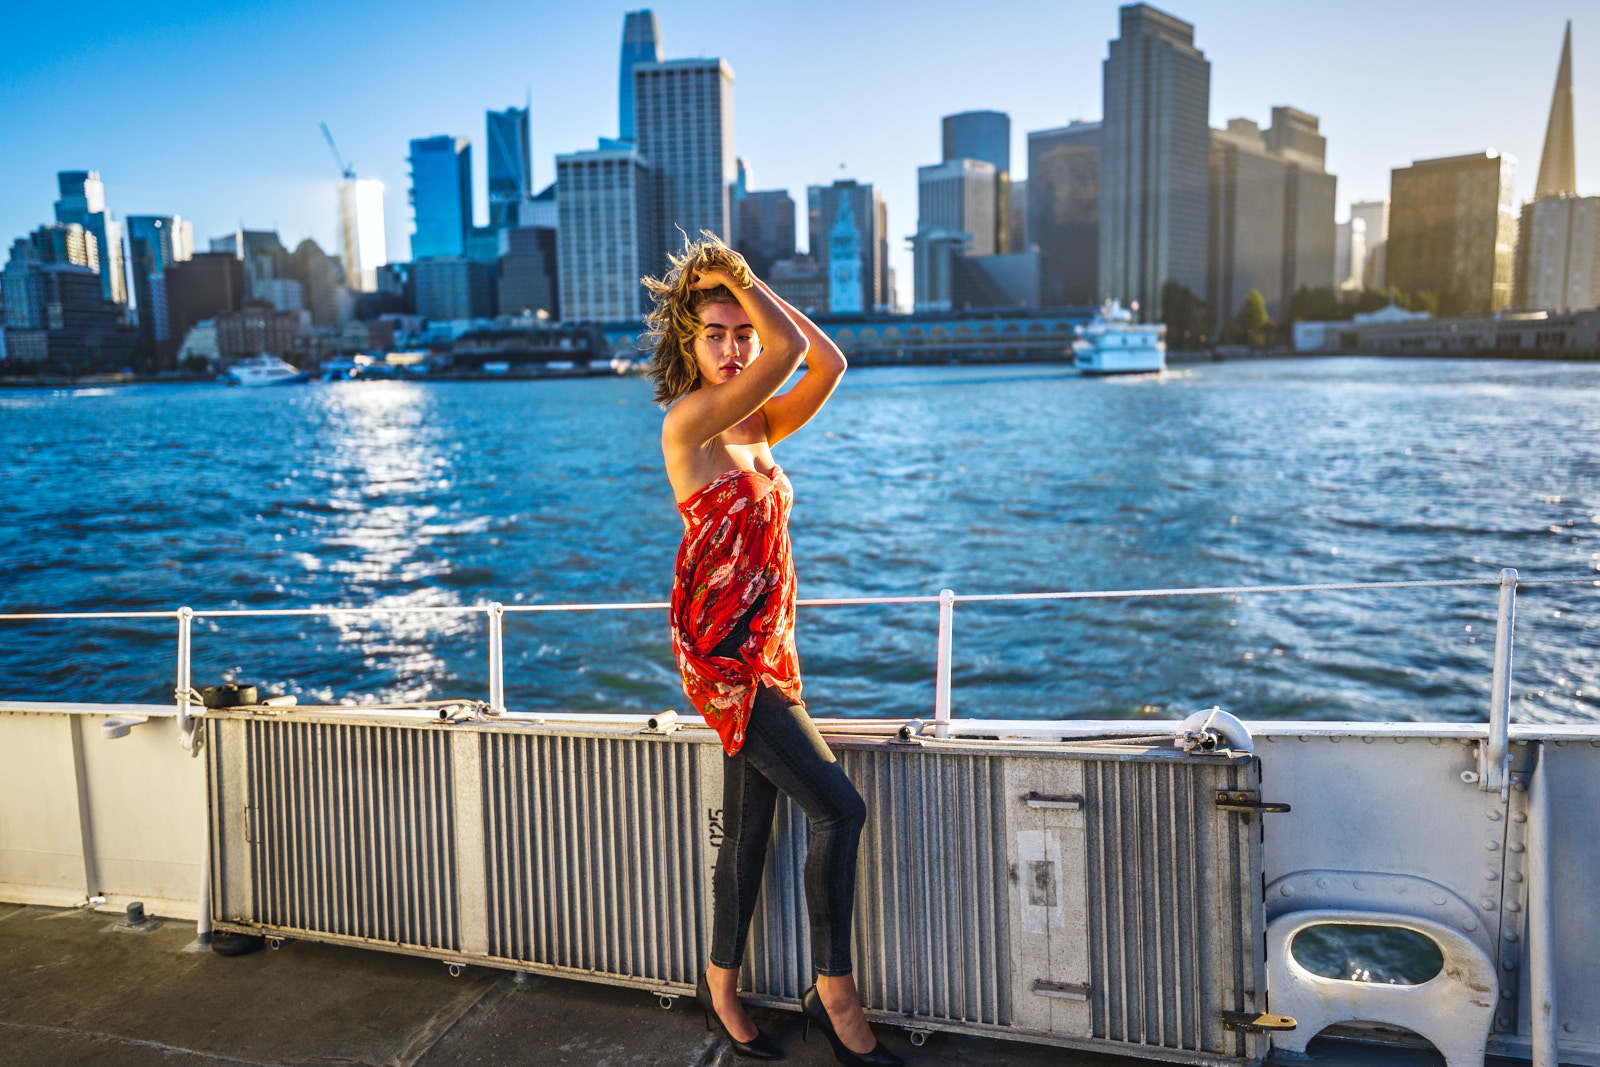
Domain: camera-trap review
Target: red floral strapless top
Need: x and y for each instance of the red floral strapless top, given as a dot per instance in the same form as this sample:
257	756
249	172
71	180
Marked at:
735	566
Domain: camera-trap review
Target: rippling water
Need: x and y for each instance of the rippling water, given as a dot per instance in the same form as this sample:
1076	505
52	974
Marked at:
913	479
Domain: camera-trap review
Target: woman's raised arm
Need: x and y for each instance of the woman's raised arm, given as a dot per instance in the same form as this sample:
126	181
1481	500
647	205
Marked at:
825	365
708	411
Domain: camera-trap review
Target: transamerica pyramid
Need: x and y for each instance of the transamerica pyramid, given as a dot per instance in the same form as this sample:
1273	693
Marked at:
1558	167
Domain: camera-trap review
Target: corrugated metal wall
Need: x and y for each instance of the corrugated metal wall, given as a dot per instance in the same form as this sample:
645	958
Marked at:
588	852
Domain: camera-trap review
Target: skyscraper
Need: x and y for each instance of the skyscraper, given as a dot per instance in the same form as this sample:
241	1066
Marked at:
955	215
1558	174
1272	208
1154	153
510	165
155	243
1558	243
1375	213
823	204
608	237
845	288
684	130
362	243
1452	231
1063	202
641	43
764	227
985	135
83	201
441	195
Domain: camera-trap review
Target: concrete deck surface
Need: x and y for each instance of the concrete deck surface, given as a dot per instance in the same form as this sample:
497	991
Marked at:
76	988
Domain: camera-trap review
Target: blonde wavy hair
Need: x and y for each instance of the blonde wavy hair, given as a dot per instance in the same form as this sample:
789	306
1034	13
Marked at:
674	317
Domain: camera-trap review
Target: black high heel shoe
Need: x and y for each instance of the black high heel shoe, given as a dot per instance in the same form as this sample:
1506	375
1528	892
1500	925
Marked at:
759	1047
811	1004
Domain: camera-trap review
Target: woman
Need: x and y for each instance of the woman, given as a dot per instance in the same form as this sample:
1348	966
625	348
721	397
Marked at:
724	345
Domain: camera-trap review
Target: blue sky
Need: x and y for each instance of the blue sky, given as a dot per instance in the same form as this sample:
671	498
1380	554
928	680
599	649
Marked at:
211	110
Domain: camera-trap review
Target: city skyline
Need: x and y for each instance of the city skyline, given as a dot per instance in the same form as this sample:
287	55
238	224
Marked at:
1411	94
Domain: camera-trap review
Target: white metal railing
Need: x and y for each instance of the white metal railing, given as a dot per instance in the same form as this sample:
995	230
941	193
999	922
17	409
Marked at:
1492	774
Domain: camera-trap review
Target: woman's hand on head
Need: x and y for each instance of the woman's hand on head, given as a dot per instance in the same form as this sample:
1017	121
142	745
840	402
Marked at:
710	278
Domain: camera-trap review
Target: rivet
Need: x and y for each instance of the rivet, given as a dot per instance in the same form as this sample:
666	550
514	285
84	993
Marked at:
1322	883
1494	816
1506	994
1487	903
1519	816
1469	925
1438	898
1366	740
1355	883
1286	889
1515	876
1513	906
1561	744
1492	846
1492	876
1569	1028
1515	846
1334	740
1433	740
1399	740
1511	935
1508	965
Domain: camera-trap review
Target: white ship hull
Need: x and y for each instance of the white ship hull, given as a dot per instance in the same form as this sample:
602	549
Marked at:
1112	343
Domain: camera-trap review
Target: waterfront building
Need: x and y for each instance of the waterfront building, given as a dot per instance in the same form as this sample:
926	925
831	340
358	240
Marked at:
155	242
1558	254
201	287
763	230
1350	255
1063	208
83	201
934	251
255	328
1500	334
984	135
803	282
1375	266
1154	160
362	244
1452	231
56	314
1017	219
845	289
1272	208
683	122
608	237
485	244
641	43
510	162
529	281
453	287
999	281
871	215
441	195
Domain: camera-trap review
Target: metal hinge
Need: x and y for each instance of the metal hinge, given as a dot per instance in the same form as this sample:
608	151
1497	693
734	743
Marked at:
1254	1022
1246	802
1035	799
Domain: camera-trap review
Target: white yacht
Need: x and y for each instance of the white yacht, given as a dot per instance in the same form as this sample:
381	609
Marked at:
1112	343
263	370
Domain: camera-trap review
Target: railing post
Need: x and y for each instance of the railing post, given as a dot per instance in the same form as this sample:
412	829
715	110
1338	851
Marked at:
1541	917
1494	758
497	658
941	682
186	725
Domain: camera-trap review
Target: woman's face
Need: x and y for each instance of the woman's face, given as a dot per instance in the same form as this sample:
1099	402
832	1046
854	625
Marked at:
726	342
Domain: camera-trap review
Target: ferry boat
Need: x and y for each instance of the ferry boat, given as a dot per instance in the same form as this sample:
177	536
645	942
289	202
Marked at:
1143	889
1112	343
264	369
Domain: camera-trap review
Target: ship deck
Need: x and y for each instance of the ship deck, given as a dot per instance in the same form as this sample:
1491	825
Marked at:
74	988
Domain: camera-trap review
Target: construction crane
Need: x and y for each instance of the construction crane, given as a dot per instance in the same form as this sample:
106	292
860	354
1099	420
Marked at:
348	170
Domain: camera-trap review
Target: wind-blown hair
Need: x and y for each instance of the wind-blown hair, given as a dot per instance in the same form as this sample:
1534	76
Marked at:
674	316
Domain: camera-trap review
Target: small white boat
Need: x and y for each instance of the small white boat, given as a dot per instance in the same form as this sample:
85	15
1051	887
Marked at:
1112	343
263	370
